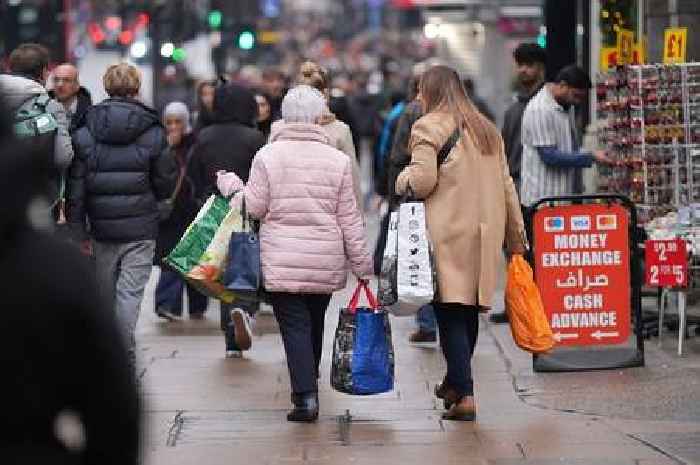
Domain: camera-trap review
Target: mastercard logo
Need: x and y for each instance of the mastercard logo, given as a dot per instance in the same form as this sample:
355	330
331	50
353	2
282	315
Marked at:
606	222
554	223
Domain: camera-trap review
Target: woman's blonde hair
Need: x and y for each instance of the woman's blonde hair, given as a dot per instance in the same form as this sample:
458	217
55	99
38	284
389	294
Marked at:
313	75
122	80
441	89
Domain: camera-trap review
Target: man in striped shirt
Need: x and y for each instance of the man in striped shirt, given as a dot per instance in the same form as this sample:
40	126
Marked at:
552	161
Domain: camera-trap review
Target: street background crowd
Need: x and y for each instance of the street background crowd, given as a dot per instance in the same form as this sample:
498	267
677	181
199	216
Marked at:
123	183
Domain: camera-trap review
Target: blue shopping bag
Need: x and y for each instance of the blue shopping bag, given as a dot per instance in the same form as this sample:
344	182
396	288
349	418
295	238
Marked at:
363	354
243	274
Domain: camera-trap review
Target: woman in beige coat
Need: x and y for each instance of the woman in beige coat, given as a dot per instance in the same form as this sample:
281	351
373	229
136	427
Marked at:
471	208
339	135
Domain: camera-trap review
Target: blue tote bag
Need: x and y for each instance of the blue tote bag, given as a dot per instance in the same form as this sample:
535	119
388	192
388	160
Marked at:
363	354
243	274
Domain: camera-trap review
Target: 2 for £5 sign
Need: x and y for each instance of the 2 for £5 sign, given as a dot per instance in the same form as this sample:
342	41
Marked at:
582	270
666	263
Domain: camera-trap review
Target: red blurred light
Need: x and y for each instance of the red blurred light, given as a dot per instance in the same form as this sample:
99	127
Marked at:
142	20
96	34
113	23
126	37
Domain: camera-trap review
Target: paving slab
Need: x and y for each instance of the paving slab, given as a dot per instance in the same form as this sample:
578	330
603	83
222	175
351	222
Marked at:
204	409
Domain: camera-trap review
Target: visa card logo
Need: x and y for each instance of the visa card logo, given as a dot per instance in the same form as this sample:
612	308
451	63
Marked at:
606	222
581	223
554	223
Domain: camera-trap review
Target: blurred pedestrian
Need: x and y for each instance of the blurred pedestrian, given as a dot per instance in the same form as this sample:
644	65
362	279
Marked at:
177	212
338	133
63	360
471	207
204	115
399	158
40	118
76	99
121	171
264	114
275	87
399	100
479	103
311	225
340	105
530	60
229	144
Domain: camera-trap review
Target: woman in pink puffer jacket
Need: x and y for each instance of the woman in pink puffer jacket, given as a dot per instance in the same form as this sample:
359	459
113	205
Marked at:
301	189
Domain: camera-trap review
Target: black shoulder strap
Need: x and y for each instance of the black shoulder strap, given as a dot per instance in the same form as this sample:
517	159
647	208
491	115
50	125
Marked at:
449	145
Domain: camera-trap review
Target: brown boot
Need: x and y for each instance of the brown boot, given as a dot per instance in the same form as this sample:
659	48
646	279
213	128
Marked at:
423	337
464	410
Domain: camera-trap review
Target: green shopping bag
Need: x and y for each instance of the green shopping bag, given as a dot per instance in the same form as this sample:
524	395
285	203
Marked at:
187	254
208	274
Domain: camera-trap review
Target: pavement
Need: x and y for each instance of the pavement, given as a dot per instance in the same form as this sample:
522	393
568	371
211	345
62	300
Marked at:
201	408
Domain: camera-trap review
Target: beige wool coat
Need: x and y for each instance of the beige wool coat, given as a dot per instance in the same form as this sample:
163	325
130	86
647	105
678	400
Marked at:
471	207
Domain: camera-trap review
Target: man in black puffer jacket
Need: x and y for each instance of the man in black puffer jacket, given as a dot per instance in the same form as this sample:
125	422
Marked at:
121	171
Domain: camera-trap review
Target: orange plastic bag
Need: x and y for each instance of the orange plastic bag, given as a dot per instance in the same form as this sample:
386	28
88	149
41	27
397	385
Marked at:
528	322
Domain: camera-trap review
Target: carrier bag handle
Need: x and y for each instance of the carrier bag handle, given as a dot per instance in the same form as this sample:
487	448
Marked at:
355	300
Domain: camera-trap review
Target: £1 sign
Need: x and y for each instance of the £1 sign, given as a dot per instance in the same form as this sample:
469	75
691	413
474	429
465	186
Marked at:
666	263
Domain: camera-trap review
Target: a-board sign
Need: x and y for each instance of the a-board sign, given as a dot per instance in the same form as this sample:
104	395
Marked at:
666	263
582	269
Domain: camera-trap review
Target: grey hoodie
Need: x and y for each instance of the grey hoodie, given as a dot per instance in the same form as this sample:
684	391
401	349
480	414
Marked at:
16	90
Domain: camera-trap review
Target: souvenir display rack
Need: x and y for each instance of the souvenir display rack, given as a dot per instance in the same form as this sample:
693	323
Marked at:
650	125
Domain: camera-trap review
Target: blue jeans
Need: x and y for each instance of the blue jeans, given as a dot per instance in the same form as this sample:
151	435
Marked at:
169	294
425	319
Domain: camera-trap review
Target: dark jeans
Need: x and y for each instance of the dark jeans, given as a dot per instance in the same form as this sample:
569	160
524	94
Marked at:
301	318
169	294
459	330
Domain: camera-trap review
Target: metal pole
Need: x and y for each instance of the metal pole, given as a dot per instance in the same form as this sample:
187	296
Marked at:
595	57
681	320
673	11
640	30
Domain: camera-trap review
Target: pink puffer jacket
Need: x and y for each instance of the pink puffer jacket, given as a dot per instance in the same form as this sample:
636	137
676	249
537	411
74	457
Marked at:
302	191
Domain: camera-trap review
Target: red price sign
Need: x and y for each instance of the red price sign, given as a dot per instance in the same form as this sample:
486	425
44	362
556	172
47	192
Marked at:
583	272
666	263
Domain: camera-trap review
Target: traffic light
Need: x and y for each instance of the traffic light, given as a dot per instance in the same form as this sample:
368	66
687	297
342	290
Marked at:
542	39
215	18
246	39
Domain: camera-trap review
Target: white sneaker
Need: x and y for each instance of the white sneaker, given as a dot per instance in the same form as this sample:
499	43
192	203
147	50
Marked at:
234	354
265	309
241	324
167	314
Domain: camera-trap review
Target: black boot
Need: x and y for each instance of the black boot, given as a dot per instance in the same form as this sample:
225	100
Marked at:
305	408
